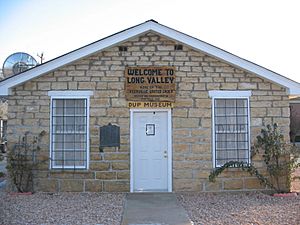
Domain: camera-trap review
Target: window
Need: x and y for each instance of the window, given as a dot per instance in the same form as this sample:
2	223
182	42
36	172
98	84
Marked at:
3	129
295	121
69	129
230	126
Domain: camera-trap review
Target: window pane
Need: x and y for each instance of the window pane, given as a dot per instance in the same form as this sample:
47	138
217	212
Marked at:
58	107
70	107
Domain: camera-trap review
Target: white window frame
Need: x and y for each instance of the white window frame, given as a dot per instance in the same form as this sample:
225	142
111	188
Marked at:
229	95
71	95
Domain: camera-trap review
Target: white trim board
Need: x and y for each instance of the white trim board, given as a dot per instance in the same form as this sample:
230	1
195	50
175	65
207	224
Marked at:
170	152
67	94
6	84
229	94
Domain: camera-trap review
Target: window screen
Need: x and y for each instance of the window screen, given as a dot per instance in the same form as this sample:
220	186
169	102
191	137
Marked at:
231	130
69	133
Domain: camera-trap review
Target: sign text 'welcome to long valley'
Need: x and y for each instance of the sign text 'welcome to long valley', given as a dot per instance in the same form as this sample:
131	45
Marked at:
150	84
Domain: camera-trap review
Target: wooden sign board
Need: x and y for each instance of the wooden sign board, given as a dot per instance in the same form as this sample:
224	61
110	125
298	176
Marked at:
153	84
150	105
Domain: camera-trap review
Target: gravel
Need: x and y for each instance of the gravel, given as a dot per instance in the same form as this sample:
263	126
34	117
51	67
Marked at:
240	208
61	209
106	208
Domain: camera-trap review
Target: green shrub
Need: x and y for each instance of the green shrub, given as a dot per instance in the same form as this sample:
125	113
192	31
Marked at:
22	162
280	159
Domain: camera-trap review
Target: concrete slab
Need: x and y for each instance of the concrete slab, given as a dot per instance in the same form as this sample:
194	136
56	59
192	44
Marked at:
154	209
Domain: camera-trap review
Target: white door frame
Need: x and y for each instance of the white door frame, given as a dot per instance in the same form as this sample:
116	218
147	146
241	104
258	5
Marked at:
132	111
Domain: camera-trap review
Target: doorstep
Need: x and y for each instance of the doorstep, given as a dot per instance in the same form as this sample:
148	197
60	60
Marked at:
154	209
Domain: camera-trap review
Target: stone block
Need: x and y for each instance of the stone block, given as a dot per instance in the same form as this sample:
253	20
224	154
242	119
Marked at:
244	86
264	86
120	165
198	157
98	112
72	85
199	94
100	102
259	104
118	102
75	73
116	186
95	156
99	166
43	85
252	183
201	174
116	156
71	185
106	94
179	112
181	148
213	86
118	112
274	112
186	165
46	185
183	174
87	85
187	185
59	86
115	85
187	140
185	103
233	184
93	186
106	175
185	86
72	174
165	48
256	122
186	123
258	112
203	104
225	69
61	73
199	112
212	186
181	132
123	175
201	148
201	132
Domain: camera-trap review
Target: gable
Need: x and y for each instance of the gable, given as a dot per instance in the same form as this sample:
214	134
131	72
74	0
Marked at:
5	85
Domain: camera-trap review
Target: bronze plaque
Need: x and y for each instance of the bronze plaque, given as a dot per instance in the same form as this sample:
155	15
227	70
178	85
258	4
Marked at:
152	84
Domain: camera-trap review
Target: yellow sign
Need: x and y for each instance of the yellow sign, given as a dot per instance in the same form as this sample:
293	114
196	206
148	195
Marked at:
154	84
150	104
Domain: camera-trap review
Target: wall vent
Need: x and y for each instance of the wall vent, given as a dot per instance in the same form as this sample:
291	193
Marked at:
123	48
178	47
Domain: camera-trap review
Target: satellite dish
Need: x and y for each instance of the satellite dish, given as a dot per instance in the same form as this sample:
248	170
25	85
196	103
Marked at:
17	63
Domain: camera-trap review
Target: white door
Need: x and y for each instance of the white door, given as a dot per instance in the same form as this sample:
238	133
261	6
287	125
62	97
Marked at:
150	150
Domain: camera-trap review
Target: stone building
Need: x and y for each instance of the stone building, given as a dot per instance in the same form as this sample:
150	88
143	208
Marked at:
170	107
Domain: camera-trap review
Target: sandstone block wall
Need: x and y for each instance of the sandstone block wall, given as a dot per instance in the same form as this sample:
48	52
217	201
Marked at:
196	74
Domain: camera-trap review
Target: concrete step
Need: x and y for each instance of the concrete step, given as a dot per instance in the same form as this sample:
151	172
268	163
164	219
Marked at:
154	209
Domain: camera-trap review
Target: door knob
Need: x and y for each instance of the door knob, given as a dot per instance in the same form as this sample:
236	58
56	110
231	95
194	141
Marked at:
165	154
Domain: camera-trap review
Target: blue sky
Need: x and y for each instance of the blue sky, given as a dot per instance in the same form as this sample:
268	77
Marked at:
263	31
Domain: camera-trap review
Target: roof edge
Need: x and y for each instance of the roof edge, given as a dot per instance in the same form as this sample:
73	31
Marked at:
150	25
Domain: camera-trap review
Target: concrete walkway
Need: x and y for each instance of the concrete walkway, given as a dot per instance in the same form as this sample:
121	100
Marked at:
154	209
